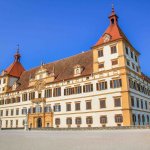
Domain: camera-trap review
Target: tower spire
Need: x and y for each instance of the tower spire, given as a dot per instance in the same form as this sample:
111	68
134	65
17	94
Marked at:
113	17
17	55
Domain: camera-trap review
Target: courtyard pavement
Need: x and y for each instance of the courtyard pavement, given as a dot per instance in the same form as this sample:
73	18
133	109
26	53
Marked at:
138	139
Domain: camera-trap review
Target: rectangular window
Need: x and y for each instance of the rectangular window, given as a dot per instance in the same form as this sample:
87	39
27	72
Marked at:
7	112
128	63
88	88
69	121
113	49
68	107
114	62
146	105
24	111
141	104
132	101
101	85
57	92
48	93
57	108
102	103
131	54
133	66
57	121
136	58
115	83
24	97
137	102
78	120
16	123
77	106
89	120
17	111
103	119
100	53
1	113
127	51
31	95
117	102
101	65
88	105
118	118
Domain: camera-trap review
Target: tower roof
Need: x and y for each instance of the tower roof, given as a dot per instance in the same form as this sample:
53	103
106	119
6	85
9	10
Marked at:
113	32
16	68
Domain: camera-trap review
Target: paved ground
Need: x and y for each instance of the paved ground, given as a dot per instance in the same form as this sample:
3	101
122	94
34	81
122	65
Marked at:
76	140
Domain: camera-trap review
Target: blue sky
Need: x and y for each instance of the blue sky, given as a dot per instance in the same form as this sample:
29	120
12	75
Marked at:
49	30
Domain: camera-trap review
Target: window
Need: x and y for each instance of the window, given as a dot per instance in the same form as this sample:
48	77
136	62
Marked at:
57	108
136	58
6	123
74	90
137	69
101	85
89	120
31	95
146	105
88	105
24	111
133	66
114	62
57	121
117	102
16	123
132	101
24	97
113	49
137	102
141	104
102	103
68	107
134	118
17	111
78	121
4	81
127	51
57	92
7	112
101	65
48	93
48	109
131	54
103	119
118	118
1	112
69	121
77	105
38	109
128	63
115	83
88	88
147	119
11	123
100	53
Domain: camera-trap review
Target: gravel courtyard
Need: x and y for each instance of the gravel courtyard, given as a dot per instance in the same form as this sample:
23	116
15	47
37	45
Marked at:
76	140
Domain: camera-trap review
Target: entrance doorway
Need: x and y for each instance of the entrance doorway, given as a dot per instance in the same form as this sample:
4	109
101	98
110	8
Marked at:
39	123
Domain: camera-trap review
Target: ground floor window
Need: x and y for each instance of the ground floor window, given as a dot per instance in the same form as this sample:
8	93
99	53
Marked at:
118	118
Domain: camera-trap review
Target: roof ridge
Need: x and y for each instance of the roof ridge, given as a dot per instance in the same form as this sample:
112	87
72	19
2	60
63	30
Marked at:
58	60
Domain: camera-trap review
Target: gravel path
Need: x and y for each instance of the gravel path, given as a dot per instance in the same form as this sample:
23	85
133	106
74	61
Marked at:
76	140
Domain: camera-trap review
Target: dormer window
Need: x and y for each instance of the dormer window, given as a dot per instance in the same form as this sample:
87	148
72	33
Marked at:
78	70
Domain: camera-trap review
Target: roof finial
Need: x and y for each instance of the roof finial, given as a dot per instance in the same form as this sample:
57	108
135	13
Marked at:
113	10
17	55
18	48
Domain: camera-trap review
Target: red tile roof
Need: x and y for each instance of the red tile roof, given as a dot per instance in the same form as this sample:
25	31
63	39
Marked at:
64	69
15	69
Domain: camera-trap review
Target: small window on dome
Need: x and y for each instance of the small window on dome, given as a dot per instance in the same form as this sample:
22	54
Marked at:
78	70
112	21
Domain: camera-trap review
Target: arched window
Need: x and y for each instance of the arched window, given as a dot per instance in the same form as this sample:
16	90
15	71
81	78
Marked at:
147	119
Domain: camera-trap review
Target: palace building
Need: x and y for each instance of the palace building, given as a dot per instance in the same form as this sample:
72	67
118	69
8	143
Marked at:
102	87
